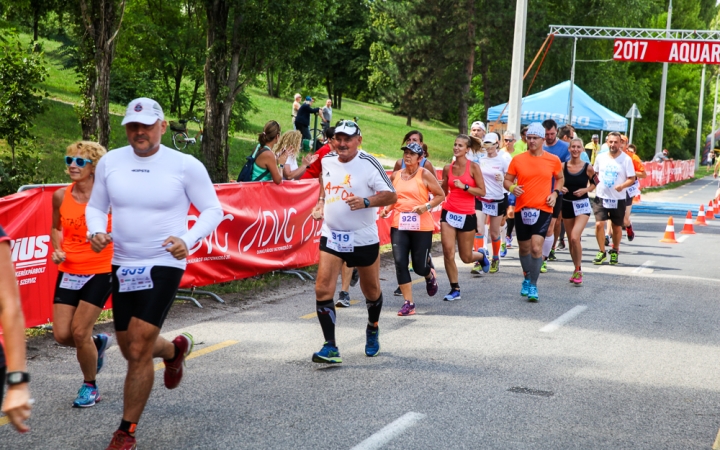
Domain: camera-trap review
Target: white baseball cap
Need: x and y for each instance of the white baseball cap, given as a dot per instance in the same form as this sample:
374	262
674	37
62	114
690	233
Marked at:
348	127
143	110
490	138
478	124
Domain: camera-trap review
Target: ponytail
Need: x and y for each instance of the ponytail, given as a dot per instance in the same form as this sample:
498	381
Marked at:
271	130
473	143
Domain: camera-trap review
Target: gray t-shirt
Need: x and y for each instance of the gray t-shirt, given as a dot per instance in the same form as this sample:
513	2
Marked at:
327	113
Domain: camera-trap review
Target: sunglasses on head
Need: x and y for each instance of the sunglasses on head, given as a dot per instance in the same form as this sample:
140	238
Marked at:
346	123
80	162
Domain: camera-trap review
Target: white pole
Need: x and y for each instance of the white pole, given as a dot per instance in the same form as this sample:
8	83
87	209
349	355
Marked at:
712	132
632	125
700	115
518	67
572	83
663	90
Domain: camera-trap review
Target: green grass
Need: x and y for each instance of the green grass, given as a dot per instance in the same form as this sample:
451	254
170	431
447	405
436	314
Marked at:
58	126
674	184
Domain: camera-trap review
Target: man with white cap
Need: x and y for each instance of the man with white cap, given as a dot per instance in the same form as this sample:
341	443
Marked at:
149	188
352	185
530	177
478	130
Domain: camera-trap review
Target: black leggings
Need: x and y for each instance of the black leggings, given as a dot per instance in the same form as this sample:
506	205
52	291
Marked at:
2	383
404	243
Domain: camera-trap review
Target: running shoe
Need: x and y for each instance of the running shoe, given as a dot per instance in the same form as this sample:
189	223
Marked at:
87	396
525	288
600	258
329	354
578	278
485	263
343	299
105	341
503	250
410	268
476	268
607	240
431	285
613	257
495	265
174	368
355	277
533	293
408	309
372	341
551	256
508	241
398	292
543	268
453	295
630	233
122	441
561	244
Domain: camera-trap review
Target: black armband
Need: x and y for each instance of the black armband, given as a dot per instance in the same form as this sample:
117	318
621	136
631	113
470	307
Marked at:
595	180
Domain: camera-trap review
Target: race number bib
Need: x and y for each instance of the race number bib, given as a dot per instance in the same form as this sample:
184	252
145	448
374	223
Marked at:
133	279
634	190
530	216
455	220
490	208
409	221
610	203
341	241
581	207
74	282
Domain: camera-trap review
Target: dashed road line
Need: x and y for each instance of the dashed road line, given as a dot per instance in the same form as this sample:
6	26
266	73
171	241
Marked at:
562	320
683	238
644	265
390	432
204	351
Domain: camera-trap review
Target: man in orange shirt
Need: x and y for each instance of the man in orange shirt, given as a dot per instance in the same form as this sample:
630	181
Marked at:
633	190
530	178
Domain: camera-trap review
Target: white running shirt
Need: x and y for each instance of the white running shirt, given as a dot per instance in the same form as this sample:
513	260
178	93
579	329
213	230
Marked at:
363	176
490	167
612	172
150	198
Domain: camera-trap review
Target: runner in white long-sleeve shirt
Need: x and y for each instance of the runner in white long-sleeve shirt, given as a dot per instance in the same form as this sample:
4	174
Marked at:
149	188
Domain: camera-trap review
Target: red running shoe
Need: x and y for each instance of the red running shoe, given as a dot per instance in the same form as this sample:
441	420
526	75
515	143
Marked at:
431	285
174	369
122	441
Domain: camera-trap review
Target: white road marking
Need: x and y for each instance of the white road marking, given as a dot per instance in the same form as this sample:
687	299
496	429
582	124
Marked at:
389	432
683	238
644	265
562	320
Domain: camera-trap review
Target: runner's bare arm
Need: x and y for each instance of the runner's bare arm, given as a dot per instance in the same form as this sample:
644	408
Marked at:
629	182
58	255
509	185
383	198
398	165
559	184
434	187
444	184
386	210
317	211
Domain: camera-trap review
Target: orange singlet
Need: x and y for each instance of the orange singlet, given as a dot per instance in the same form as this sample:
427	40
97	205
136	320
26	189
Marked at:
412	193
80	259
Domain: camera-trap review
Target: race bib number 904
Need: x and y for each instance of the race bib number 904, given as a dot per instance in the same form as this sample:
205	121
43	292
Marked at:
341	241
133	279
409	221
530	216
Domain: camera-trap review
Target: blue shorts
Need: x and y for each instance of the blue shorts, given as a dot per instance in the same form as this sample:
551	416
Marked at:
511	199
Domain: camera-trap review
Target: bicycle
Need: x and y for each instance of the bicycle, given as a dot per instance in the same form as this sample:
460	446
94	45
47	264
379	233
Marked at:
180	136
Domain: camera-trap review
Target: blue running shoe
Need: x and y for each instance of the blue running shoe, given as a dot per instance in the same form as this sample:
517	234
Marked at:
525	288
485	263
329	354
106	340
503	250
87	396
533	293
372	341
453	295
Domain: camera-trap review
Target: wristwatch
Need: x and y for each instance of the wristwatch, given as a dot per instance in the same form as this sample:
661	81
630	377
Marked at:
14	378
428	206
367	202
466	188
558	192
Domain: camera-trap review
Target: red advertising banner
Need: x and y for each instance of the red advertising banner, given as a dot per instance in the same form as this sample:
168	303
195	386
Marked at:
667	51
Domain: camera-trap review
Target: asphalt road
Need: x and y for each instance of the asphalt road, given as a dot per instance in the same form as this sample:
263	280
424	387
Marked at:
631	364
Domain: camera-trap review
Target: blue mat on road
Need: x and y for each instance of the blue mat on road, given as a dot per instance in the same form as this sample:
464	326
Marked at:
666	209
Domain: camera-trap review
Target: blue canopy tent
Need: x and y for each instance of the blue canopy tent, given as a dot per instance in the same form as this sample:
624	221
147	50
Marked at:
553	104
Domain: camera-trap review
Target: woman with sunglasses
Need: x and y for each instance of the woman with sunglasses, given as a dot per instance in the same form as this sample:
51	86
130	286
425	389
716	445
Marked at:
84	279
267	166
462	181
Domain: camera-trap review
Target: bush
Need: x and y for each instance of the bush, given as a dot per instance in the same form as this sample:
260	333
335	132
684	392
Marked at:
24	172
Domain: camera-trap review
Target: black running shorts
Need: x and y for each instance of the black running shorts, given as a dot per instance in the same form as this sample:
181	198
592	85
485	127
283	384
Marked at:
539	228
149	305
361	256
568	211
469	225
2	385
615	215
557	209
95	291
502	205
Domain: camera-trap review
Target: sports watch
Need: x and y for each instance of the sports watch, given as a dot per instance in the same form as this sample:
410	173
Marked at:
14	378
367	202
466	188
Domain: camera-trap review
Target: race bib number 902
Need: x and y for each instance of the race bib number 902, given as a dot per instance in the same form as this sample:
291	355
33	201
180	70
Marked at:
455	220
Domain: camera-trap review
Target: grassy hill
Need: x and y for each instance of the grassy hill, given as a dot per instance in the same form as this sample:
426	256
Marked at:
58	126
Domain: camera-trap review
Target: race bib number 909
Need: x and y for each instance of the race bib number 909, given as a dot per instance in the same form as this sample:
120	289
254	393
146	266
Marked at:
133	279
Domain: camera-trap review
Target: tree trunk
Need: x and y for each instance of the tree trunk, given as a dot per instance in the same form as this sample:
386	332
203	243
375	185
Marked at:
269	78
469	64
191	110
176	103
278	89
36	22
339	99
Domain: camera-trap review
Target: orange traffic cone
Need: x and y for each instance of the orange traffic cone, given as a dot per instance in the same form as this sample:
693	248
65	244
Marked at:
688	228
637	199
700	221
669	237
710	213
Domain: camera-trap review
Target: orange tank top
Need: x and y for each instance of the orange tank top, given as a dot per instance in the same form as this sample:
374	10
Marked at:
410	194
80	259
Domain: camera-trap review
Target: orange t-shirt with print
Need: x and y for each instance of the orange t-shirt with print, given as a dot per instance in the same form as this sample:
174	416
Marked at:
536	175
637	162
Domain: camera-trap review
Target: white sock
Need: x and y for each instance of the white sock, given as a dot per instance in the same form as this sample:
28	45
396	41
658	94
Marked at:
503	233
547	245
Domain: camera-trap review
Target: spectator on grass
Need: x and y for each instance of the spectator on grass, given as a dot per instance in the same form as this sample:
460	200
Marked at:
326	114
267	166
290	143
295	108
302	121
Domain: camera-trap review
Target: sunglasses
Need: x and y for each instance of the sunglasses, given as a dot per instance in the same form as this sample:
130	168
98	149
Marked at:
509	140
80	162
347	123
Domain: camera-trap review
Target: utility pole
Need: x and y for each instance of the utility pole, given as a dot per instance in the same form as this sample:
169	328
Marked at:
712	132
518	67
700	114
663	90
572	83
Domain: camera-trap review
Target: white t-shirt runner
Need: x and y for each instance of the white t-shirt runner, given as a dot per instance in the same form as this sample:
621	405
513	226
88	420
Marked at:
490	167
612	172
363	176
150	198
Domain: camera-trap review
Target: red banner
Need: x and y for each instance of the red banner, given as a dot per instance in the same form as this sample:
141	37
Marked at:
667	51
